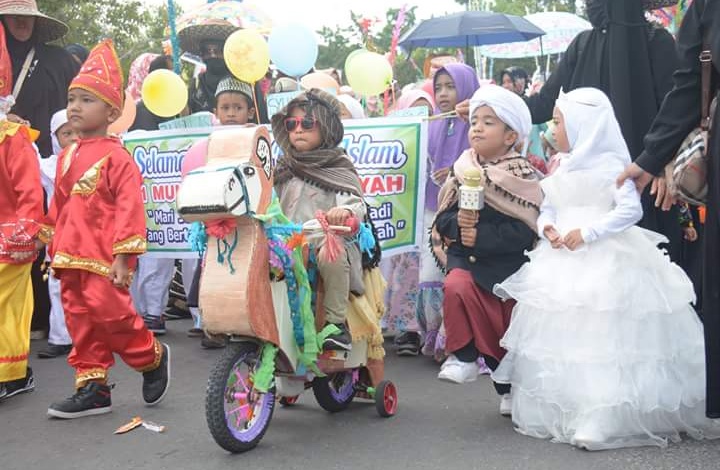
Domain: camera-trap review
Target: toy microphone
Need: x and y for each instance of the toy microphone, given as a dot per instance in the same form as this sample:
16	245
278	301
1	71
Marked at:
472	194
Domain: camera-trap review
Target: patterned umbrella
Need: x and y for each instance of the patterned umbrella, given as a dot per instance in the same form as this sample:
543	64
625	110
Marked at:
240	14
560	27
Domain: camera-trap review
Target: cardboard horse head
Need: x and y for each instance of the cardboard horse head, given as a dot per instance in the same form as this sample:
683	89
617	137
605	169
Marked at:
234	184
236	179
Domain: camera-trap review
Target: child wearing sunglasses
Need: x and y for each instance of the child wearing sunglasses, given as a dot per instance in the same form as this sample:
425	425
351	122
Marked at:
314	174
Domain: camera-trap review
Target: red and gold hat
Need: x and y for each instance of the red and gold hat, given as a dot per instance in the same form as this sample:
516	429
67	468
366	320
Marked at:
101	75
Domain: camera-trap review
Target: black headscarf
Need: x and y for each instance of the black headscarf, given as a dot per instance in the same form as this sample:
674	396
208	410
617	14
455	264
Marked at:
616	59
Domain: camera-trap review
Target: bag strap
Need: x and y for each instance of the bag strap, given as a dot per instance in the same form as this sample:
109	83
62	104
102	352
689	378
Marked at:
706	82
23	73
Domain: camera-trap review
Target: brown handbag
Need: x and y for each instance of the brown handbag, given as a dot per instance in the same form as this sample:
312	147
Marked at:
686	175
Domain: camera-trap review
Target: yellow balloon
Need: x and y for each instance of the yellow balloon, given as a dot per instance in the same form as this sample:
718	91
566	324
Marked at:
247	55
368	73
164	93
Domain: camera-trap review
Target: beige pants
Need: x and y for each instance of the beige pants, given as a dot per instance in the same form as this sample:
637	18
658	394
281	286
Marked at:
341	277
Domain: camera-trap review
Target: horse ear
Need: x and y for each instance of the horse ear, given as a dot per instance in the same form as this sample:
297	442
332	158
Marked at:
261	158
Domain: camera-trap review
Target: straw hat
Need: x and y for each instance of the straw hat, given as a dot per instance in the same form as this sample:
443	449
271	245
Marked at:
650	5
46	29
191	36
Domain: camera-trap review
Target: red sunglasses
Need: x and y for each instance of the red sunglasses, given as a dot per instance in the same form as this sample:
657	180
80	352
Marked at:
305	122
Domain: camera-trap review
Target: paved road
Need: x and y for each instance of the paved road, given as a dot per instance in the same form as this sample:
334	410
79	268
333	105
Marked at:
438	426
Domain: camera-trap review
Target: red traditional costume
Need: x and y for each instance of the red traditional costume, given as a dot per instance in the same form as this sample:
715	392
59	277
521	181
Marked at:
21	210
97	213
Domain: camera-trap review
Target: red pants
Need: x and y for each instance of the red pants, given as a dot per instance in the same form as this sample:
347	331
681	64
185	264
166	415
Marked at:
472	314
101	321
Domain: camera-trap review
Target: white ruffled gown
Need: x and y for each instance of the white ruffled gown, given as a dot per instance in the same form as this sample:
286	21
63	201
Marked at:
604	348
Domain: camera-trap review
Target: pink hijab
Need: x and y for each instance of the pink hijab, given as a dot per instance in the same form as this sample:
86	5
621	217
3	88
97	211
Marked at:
138	71
408	98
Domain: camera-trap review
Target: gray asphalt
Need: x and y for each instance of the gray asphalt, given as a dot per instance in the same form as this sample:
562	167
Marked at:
438	426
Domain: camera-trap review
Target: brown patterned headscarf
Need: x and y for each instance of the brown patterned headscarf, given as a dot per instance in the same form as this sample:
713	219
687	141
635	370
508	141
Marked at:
328	166
512	187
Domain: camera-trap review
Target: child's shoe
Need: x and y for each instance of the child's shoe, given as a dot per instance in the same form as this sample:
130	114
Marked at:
210	341
18	386
408	343
55	350
340	340
156	382
92	399
456	371
155	324
506	404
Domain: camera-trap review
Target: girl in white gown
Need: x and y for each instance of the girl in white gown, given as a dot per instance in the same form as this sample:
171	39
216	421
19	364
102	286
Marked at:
604	347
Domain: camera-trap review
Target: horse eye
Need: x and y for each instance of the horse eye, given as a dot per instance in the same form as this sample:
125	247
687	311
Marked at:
249	171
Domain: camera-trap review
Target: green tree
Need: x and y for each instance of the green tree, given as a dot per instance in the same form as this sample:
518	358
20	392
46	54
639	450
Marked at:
340	42
133	27
524	7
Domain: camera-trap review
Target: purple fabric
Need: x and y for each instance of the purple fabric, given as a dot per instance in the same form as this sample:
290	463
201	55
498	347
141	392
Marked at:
444	149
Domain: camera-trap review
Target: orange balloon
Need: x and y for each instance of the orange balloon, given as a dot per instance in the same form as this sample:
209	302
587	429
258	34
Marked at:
126	119
320	80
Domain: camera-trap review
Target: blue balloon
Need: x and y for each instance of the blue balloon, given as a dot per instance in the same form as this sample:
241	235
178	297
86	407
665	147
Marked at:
293	49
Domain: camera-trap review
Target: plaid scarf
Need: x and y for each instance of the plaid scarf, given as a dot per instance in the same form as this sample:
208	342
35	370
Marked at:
328	166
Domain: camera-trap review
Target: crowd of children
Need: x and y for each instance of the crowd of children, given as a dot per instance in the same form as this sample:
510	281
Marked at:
510	289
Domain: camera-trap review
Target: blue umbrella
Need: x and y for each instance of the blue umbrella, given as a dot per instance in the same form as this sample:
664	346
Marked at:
470	28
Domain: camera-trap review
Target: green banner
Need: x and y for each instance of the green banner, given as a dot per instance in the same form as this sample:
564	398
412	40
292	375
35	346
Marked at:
389	154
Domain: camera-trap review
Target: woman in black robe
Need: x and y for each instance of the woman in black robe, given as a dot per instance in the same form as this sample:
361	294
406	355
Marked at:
679	114
44	90
632	62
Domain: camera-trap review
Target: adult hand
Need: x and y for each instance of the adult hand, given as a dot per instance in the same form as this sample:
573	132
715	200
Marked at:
119	272
468	236
463	110
664	198
17	119
633	171
573	240
467	218
553	236
337	215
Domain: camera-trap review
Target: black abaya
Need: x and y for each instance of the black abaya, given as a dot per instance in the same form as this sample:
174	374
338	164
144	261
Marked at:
45	88
679	114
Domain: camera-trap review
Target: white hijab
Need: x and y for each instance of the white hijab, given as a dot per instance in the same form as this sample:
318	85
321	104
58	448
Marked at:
596	142
56	122
509	107
353	106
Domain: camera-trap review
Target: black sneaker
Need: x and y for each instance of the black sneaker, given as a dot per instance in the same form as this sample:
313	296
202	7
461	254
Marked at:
18	386
155	324
209	341
176	313
339	341
92	399
156	382
408	344
55	350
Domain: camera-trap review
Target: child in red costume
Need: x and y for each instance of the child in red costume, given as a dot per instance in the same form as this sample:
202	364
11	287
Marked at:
99	229
21	211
